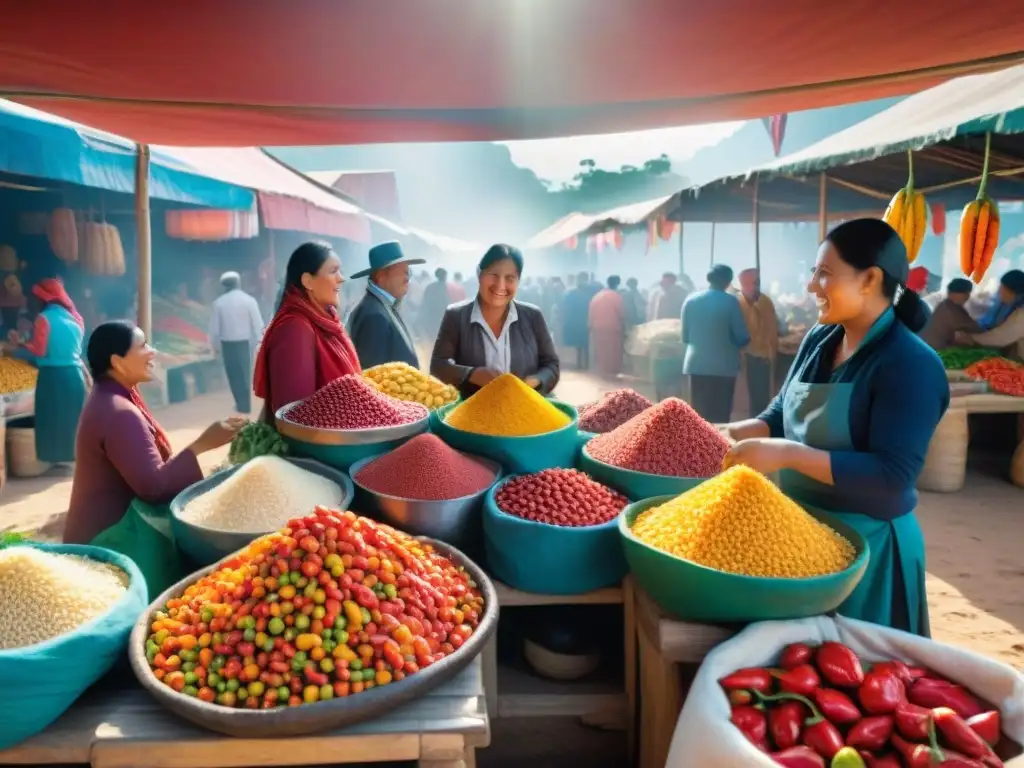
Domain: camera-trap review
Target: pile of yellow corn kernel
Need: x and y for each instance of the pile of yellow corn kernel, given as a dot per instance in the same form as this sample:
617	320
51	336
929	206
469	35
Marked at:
402	381
739	522
16	376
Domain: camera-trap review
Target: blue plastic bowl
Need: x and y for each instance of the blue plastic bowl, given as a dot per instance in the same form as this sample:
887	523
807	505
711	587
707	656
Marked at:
695	592
550	559
635	485
517	455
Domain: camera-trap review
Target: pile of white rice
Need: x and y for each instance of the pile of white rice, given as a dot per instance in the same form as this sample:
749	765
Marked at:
44	594
260	497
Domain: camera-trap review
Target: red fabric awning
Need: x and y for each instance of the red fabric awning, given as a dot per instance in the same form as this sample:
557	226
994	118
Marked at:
238	72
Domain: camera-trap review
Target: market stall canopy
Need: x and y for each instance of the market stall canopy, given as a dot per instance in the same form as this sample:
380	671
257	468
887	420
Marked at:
580	224
373	191
287	199
441	243
866	163
240	73
41	146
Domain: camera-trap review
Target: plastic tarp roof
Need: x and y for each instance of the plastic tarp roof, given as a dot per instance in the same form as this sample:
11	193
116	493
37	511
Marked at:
240	73
578	224
43	146
287	199
866	163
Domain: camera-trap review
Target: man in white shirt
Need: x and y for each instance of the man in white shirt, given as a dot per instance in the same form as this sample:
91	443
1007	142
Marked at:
235	329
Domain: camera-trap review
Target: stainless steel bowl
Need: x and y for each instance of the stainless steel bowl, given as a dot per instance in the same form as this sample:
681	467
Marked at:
319	436
456	521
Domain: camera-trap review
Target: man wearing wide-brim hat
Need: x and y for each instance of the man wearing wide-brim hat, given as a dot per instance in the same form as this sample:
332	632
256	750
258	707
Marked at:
376	325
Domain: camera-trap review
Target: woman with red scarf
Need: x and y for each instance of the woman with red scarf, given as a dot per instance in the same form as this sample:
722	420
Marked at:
126	468
55	347
305	346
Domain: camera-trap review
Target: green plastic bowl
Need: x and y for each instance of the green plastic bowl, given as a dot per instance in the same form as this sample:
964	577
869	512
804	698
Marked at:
516	455
693	592
632	484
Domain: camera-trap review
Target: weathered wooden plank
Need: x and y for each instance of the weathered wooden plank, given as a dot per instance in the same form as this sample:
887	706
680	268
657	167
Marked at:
684	642
512	598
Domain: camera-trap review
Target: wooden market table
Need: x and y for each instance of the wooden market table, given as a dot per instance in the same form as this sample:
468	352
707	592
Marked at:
123	727
667	653
946	463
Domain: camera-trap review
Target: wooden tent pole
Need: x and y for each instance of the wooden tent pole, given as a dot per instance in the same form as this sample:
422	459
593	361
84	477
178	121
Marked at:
713	227
143	240
822	207
682	260
757	226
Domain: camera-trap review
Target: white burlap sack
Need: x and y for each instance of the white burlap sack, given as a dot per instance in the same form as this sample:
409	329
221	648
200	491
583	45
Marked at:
704	737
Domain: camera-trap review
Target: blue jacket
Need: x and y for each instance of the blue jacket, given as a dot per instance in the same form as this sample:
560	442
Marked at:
900	394
714	332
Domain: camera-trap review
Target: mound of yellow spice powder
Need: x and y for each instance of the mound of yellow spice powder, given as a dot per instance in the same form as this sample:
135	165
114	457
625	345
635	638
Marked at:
507	407
739	522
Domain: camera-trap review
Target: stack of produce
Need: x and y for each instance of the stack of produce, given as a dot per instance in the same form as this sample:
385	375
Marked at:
507	407
823	706
261	496
402	381
62	234
960	358
179	329
565	497
16	376
331	605
979	228
669	438
1003	376
103	252
351	402
908	214
257	438
740	522
612	410
44	595
425	469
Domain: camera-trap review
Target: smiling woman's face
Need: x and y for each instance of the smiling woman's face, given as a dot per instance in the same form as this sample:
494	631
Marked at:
839	290
499	283
325	286
136	365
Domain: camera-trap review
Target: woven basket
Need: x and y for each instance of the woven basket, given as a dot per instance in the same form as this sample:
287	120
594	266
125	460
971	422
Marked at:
21	453
946	463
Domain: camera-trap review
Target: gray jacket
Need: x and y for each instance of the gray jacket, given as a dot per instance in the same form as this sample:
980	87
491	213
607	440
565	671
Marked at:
460	348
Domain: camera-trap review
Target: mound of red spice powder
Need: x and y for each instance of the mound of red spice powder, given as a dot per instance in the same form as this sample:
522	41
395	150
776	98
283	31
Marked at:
426	469
669	438
565	497
353	403
612	410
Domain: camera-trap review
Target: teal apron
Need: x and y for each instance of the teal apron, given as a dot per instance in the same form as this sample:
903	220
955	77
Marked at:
892	592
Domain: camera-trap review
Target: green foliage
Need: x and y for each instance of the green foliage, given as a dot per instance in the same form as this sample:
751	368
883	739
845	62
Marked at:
593	189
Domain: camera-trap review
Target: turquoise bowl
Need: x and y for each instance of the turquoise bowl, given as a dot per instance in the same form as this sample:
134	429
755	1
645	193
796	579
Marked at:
694	592
550	559
516	455
635	485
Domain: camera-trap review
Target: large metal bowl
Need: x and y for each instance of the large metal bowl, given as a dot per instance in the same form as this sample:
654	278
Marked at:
323	715
340	448
455	521
209	545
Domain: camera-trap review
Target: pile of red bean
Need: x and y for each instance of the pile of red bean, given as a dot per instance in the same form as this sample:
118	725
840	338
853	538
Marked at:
612	410
353	403
669	438
426	469
565	497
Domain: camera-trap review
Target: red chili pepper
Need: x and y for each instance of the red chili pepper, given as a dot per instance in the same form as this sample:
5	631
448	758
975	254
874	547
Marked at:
839	665
940	693
795	654
958	734
836	706
897	668
750	679
739	698
916	673
916	755
988	726
798	757
803	680
871	733
888	760
912	721
881	693
819	734
785	722
751	722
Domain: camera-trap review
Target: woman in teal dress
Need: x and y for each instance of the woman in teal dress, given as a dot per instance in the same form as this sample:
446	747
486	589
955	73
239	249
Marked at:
850	428
55	347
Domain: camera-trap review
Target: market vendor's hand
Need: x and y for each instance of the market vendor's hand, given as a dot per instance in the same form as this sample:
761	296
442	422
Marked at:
481	377
963	339
532	381
765	454
219	433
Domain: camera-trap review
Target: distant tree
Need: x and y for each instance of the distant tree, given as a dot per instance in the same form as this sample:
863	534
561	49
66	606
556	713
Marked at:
593	189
